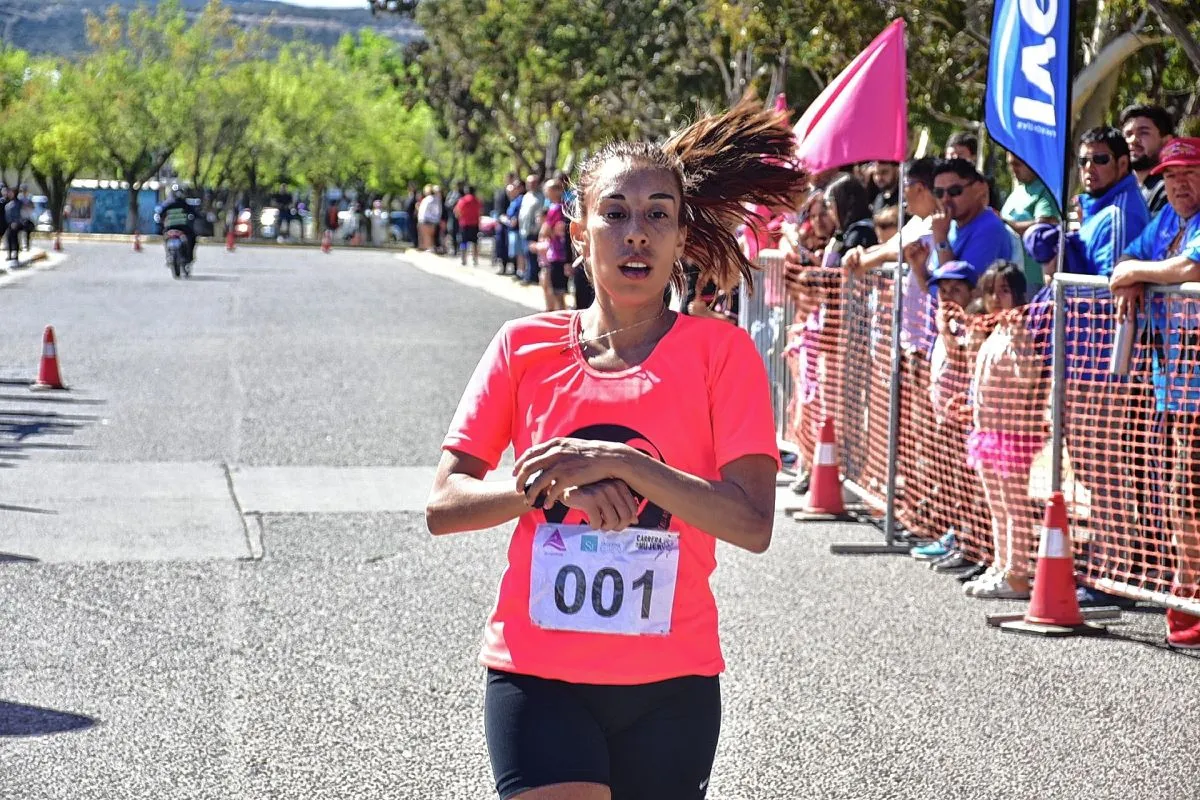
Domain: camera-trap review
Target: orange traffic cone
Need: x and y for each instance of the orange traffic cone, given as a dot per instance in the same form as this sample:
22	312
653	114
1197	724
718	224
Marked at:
825	486
48	374
137	242
58	241
1053	601
327	241
1053	608
229	241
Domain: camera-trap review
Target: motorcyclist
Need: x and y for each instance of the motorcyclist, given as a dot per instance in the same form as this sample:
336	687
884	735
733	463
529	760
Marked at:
177	215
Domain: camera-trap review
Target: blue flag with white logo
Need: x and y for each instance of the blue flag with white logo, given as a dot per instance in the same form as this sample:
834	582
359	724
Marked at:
1028	96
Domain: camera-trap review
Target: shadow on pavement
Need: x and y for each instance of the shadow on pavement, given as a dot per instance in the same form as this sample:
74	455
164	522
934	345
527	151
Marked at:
24	429
17	719
208	276
13	558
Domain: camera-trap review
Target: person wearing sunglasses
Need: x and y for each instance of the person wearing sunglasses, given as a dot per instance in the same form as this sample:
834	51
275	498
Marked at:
964	227
1112	207
1168	252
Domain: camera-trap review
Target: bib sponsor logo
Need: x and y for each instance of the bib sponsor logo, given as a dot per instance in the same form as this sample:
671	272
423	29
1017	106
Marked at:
554	544
589	543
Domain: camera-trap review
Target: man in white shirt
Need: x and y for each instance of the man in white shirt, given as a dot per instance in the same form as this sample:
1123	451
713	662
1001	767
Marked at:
527	222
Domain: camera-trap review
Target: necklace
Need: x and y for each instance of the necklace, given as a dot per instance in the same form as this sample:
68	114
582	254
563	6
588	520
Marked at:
591	339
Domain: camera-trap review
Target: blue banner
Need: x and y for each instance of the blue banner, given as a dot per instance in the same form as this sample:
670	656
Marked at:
1028	100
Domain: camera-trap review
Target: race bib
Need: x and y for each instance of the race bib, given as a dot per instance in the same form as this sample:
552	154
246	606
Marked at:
597	582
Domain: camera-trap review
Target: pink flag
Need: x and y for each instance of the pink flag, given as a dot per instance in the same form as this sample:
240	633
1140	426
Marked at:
863	114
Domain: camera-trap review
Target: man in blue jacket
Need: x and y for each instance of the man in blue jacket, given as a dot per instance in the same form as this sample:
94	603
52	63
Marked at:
1114	211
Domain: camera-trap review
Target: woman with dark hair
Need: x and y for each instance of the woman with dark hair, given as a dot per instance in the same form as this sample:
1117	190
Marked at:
643	436
848	205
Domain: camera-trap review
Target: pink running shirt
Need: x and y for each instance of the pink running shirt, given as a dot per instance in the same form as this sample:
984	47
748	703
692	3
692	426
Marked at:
700	401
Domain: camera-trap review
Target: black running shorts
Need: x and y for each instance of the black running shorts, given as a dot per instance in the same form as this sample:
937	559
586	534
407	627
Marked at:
653	741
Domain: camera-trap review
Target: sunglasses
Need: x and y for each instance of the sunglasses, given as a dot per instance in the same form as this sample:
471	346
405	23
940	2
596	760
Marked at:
953	191
1099	159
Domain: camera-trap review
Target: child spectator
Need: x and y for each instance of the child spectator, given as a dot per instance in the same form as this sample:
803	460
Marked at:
1009	392
949	379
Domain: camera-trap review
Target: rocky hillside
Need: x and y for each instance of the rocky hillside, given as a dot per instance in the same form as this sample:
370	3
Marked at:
57	26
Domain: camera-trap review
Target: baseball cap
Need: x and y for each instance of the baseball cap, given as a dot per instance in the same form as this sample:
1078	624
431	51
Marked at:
1181	152
954	271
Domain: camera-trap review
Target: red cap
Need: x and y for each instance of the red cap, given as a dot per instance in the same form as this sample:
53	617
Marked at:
1181	152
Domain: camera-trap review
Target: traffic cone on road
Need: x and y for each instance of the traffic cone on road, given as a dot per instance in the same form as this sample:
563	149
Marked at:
825	486
48	375
229	241
327	242
1054	601
137	242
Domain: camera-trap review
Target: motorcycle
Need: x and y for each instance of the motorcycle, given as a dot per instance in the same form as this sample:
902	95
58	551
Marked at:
177	260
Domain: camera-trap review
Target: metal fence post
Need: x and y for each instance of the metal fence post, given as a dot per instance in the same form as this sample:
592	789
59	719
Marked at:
1058	385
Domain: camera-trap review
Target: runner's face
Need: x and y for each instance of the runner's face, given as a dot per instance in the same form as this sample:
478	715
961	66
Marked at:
631	236
1183	190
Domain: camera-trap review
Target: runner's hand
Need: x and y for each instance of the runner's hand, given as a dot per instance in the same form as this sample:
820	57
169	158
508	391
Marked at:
560	464
609	505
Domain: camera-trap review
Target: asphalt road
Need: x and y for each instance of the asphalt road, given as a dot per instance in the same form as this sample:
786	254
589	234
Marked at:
215	580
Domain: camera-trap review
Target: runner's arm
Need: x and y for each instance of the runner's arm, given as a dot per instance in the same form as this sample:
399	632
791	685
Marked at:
461	500
739	508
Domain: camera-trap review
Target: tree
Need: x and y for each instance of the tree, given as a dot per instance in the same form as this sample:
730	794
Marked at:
140	84
14	137
65	145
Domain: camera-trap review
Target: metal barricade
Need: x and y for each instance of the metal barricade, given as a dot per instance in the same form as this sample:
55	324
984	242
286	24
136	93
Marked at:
1131	440
766	314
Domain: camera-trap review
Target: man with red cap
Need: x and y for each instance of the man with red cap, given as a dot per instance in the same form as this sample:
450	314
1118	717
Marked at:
1168	252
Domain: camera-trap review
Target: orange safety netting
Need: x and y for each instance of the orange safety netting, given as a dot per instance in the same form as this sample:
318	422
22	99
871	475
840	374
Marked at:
974	444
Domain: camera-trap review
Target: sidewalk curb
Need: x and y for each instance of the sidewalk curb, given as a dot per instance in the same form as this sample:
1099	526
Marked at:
481	277
217	241
25	266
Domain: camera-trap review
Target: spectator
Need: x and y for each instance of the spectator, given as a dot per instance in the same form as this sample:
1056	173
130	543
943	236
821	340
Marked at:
850	214
469	211
1146	129
282	199
453	224
1008	391
966	146
887	222
429	216
964	228
949	378
554	277
516	248
1112	208
500	200
411	203
1029	204
534	200
885	177
27	223
1168	252
380	222
12	223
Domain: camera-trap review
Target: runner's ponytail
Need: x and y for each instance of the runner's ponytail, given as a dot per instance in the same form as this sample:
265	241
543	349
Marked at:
742	157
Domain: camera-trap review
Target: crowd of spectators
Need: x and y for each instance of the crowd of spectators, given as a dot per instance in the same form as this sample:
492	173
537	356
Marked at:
976	332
